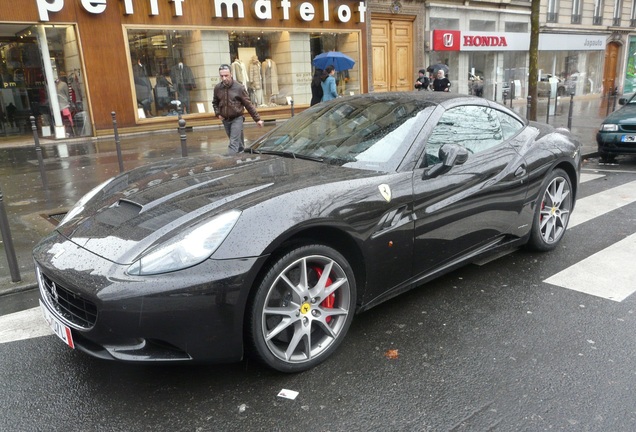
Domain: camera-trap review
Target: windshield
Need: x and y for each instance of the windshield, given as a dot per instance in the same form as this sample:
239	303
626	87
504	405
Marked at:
365	132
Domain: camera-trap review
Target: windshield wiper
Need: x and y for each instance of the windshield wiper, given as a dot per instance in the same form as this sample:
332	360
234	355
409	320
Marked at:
287	154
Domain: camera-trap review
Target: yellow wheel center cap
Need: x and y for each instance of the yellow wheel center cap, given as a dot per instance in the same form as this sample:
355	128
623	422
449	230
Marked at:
305	308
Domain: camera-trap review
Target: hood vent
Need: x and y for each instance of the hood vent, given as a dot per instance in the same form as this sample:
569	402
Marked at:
119	213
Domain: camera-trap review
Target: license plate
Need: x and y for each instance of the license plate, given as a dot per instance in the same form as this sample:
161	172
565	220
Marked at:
628	138
60	330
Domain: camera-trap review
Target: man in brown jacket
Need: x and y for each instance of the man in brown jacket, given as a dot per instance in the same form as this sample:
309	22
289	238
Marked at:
230	99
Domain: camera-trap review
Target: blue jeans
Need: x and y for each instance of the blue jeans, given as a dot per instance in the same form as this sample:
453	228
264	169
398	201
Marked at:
234	130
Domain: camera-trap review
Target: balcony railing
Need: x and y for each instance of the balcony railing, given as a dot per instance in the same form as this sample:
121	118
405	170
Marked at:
576	19
552	17
597	20
616	22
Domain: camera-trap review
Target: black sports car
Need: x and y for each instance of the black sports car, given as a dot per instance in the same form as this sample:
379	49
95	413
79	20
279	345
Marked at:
274	250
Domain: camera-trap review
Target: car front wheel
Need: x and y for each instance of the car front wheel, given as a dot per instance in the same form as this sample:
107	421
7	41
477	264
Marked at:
302	308
552	213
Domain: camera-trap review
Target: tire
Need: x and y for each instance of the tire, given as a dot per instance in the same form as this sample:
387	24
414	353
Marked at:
552	212
606	157
302	308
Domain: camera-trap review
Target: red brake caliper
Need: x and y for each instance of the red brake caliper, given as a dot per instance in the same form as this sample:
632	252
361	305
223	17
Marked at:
330	301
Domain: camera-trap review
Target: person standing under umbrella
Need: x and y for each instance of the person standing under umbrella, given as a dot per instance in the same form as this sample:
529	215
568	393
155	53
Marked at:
329	90
441	83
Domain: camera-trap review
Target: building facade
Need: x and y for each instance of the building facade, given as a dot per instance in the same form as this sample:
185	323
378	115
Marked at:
71	63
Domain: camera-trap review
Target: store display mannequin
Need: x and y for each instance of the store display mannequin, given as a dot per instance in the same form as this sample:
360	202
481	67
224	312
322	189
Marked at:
256	81
342	78
182	81
143	88
270	79
239	72
64	100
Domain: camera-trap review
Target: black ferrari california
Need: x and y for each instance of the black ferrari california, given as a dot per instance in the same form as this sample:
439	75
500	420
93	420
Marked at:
273	251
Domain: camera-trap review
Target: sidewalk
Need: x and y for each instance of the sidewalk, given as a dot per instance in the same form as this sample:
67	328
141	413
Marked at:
74	166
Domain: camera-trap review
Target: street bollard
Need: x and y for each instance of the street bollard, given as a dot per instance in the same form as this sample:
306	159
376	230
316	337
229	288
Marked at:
528	106
512	92
38	152
571	109
556	100
8	243
547	114
117	143
291	102
495	98
182	134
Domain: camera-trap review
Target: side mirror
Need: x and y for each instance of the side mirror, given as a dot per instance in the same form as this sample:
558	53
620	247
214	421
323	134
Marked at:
449	155
622	101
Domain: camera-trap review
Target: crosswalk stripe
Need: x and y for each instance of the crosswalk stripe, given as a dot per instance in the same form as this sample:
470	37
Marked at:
21	325
586	177
598	204
609	273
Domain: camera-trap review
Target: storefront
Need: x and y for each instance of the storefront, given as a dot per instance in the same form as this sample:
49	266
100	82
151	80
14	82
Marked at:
41	76
150	60
630	69
489	51
576	61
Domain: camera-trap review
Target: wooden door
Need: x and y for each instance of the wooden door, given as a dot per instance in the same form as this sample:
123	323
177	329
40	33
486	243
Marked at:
609	72
392	47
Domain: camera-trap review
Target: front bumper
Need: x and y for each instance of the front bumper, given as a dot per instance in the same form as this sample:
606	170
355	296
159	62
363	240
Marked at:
193	314
611	143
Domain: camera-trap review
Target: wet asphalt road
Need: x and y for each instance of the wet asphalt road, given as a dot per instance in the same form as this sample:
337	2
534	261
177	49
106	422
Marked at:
487	347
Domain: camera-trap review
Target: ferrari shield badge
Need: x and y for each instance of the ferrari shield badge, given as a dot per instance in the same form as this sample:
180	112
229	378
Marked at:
385	191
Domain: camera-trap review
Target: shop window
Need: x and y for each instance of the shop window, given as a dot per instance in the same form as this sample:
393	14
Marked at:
516	27
174	71
54	96
482	25
444	23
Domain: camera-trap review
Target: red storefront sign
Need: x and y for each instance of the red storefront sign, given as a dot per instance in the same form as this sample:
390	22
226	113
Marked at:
456	40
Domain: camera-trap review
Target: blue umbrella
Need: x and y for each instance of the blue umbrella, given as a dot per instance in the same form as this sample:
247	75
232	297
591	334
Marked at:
336	59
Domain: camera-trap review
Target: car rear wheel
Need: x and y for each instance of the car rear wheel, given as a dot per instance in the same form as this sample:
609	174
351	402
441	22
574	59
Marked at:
552	213
302	308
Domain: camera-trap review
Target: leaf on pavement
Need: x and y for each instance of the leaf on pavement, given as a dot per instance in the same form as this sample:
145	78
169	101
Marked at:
391	354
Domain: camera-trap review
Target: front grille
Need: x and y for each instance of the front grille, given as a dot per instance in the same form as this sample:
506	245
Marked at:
72	308
628	128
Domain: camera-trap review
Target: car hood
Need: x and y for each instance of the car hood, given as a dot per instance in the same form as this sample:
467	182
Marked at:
625	115
148	205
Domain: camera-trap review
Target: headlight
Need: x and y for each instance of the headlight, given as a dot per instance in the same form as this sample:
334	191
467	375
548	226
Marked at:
609	127
187	249
79	206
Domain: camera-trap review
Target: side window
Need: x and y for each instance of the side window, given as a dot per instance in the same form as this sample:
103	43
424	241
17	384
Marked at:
475	127
510	126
